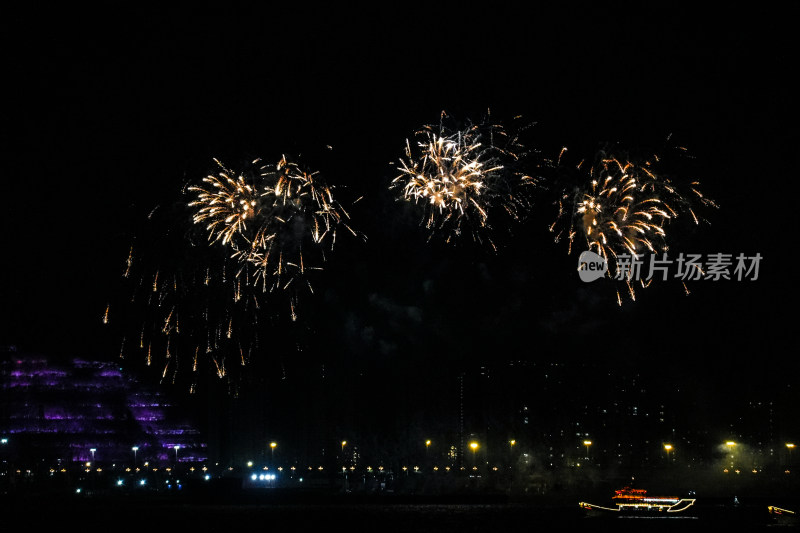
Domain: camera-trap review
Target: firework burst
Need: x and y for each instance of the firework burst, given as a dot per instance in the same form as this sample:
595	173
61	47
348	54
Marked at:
462	177
623	206
208	279
280	220
227	201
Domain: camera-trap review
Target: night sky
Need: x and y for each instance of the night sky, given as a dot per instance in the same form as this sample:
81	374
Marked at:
106	118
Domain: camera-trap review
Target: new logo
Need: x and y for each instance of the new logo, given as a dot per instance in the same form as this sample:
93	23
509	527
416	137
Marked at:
591	266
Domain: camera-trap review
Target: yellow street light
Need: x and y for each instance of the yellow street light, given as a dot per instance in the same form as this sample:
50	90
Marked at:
730	444
668	448
272	446
474	446
587	443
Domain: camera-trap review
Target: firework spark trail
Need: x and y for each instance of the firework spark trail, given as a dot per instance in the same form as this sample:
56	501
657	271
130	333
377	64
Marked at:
623	208
461	177
197	312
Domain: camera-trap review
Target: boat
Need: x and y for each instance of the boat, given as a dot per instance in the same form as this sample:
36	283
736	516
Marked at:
630	501
782	516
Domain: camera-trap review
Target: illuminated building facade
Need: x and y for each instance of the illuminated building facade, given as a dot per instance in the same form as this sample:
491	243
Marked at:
83	410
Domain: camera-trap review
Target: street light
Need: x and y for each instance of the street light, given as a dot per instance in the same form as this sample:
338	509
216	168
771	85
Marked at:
668	448
272	446
135	449
474	446
587	443
790	446
731	444
511	445
176	447
92	450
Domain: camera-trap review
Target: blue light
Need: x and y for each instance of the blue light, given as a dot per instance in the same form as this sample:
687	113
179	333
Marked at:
207	477
254	477
142	482
119	483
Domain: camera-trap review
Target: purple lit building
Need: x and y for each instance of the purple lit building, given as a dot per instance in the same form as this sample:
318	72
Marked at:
62	411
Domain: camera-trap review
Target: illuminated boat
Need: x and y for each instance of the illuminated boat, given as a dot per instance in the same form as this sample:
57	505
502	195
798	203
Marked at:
629	501
782	516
